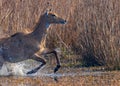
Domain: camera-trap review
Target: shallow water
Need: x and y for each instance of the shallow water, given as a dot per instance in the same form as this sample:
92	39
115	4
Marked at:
64	77
21	68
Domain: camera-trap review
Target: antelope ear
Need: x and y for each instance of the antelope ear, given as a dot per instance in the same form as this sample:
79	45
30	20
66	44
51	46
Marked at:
47	11
50	10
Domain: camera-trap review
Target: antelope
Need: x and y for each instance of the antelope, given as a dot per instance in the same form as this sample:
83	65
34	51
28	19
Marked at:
21	46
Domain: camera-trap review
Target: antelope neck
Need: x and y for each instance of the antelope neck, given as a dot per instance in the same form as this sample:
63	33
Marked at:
40	29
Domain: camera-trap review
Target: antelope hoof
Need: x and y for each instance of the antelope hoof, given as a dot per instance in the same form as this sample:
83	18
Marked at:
32	71
56	68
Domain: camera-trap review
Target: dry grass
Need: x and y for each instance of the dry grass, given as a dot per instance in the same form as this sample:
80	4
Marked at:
107	79
92	31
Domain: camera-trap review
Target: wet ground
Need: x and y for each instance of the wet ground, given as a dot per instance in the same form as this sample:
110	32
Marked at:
65	77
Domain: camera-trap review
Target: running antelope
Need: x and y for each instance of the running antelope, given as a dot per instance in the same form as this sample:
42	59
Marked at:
21	46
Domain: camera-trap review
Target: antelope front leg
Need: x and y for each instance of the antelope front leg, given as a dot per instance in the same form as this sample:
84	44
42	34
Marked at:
37	58
57	59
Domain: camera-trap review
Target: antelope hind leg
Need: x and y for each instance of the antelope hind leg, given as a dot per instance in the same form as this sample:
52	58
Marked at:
37	58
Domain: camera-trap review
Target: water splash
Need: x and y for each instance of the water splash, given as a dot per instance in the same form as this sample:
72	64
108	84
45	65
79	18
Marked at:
19	69
13	69
4	70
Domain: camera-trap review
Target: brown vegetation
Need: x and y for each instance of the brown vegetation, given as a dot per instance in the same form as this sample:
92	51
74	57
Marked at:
92	31
107	79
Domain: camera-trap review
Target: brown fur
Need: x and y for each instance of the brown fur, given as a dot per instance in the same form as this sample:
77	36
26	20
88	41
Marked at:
20	46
